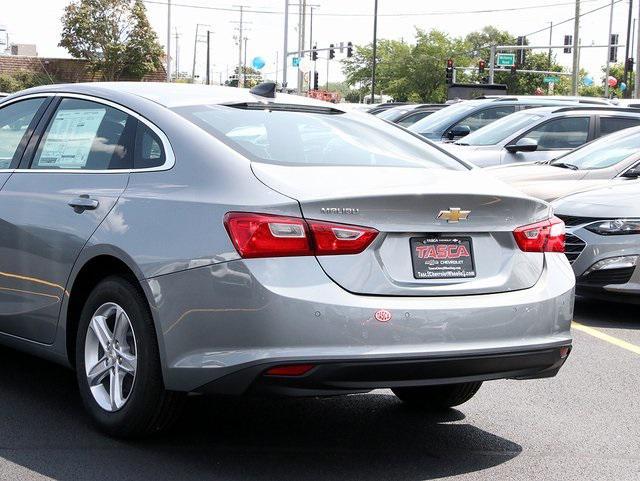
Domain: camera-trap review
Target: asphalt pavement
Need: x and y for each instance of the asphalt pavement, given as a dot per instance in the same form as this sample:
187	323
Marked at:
582	425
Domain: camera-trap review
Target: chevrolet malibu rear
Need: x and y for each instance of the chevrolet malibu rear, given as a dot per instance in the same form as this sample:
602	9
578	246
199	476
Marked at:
296	249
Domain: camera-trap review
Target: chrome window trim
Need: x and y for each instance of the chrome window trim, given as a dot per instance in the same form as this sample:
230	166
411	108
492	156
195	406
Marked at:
170	158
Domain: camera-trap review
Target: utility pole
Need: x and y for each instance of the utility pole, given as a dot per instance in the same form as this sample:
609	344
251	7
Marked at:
168	40
177	36
375	42
576	46
208	57
607	68
240	37
195	49
301	39
550	44
625	75
286	45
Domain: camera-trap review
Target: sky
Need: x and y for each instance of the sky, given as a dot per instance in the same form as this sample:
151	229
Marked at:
334	21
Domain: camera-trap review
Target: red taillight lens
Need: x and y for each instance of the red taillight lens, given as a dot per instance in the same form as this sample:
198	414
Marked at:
545	236
333	239
259	235
262	235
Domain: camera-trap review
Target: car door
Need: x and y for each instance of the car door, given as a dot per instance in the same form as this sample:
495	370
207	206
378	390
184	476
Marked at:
554	137
72	172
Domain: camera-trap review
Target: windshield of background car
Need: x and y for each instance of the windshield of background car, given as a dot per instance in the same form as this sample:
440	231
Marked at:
444	118
499	130
603	153
294	137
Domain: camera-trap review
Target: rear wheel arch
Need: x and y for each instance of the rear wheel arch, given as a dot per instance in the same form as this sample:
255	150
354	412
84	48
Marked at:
93	270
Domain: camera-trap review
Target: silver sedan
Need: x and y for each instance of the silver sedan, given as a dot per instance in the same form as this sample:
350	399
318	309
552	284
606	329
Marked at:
603	240
164	239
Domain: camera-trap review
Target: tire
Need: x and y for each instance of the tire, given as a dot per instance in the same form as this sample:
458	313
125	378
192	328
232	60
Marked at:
438	397
143	406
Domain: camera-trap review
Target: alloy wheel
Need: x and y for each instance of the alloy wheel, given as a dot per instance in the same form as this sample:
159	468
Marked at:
110	354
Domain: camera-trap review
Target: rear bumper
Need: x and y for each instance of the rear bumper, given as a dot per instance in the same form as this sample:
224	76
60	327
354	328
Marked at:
329	377
220	320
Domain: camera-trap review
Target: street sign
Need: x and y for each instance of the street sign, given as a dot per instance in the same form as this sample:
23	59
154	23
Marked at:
551	80
506	59
295	61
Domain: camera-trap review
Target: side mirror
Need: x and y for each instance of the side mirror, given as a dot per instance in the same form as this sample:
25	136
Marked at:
458	131
523	145
632	173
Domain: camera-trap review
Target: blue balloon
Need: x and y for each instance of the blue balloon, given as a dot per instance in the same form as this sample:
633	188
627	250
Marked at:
258	63
588	80
623	86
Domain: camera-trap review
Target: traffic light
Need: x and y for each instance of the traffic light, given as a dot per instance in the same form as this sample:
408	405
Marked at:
568	41
613	51
349	50
630	63
449	71
521	57
332	51
481	66
314	54
316	78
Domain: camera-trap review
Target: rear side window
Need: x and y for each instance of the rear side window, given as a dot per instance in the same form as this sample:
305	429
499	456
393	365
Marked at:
296	137
608	125
86	135
15	119
149	151
562	133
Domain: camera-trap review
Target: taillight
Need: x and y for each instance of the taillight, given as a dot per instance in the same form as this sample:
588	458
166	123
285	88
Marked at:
264	235
545	236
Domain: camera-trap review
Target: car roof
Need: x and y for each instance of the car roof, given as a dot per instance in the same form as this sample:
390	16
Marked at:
175	94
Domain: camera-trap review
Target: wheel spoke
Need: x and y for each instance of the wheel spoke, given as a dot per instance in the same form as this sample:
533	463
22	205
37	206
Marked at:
98	372
115	388
121	326
101	330
129	362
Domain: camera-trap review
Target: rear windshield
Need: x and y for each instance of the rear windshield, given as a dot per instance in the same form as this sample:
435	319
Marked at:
312	138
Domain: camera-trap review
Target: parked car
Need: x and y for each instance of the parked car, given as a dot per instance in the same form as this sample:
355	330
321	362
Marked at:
377	108
603	240
463	118
541	134
612	157
407	115
167	238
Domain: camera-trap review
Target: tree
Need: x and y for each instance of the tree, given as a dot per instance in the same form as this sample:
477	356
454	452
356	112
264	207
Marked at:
23	79
252	77
115	36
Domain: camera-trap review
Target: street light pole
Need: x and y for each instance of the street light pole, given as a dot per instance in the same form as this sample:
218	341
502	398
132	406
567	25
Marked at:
208	57
625	75
286	46
375	42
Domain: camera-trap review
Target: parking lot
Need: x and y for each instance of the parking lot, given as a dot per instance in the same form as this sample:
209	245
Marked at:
583	424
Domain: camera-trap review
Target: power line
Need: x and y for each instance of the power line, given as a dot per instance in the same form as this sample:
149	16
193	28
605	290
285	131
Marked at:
407	14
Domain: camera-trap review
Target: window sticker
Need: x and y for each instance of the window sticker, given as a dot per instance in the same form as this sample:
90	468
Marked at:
70	138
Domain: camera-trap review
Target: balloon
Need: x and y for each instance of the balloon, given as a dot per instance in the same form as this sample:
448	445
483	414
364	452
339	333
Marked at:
258	63
623	86
612	81
587	81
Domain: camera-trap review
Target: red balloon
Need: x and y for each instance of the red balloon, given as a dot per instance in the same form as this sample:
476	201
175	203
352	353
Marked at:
612	81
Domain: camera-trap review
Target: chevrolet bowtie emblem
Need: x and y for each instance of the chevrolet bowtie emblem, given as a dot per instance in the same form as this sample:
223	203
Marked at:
454	214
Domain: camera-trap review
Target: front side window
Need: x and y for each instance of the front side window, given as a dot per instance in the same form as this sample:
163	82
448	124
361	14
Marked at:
485	117
603	153
562	133
86	135
499	130
15	119
413	118
292	135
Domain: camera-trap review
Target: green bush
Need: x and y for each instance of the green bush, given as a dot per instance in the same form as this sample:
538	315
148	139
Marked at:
23	79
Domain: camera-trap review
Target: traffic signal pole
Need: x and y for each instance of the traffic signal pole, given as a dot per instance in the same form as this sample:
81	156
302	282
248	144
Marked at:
575	69
607	68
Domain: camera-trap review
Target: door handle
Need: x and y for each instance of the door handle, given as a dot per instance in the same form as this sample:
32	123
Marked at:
83	202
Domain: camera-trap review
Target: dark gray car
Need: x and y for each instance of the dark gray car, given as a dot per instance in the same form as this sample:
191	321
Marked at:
164	239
